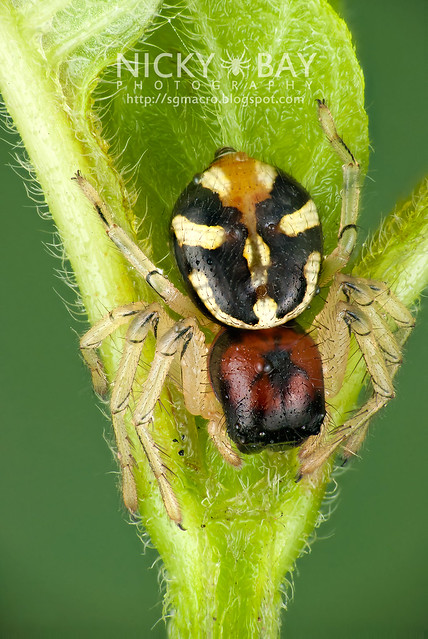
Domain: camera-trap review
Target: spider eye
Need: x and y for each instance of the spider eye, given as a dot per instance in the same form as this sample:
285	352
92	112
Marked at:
225	150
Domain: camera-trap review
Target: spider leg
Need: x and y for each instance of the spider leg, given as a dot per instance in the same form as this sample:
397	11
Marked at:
361	313
390	345
367	292
186	340
199	397
141	319
354	430
184	337
174	341
347	235
126	458
135	256
97	334
136	335
142	411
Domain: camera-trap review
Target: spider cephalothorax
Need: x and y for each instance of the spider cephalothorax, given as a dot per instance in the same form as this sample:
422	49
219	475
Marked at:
248	242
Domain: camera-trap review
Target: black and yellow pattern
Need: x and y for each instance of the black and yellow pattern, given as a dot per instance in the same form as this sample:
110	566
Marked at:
248	242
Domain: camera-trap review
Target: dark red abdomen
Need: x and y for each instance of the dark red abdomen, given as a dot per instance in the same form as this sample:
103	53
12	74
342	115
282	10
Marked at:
270	385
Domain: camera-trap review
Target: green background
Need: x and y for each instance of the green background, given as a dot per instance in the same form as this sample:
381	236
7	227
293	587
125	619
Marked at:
70	564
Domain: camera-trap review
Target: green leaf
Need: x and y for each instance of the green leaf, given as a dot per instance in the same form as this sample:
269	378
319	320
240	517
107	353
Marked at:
398	252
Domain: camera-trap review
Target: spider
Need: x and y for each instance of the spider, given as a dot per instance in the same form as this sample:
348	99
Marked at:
235	64
248	243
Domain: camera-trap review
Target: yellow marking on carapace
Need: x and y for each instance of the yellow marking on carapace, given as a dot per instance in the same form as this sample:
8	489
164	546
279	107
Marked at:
302	220
215	179
242	182
201	285
265	309
258	260
192	234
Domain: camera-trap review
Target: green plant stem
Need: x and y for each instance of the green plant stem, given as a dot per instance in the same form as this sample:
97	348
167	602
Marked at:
240	575
34	102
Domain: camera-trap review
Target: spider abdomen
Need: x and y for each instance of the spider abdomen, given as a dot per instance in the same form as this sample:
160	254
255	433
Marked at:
270	385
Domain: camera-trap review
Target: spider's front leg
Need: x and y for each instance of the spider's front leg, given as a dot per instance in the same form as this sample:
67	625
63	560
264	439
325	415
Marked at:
174	339
366	309
347	235
171	296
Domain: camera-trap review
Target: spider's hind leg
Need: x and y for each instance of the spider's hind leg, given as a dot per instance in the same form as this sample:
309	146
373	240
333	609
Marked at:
380	306
186	341
365	309
200	399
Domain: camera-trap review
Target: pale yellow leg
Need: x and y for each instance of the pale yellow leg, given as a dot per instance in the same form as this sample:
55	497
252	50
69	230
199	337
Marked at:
200	399
174	299
97	334
142	319
363	307
134	341
347	235
184	338
126	458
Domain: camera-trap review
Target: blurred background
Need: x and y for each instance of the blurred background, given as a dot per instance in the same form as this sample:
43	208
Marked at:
70	563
